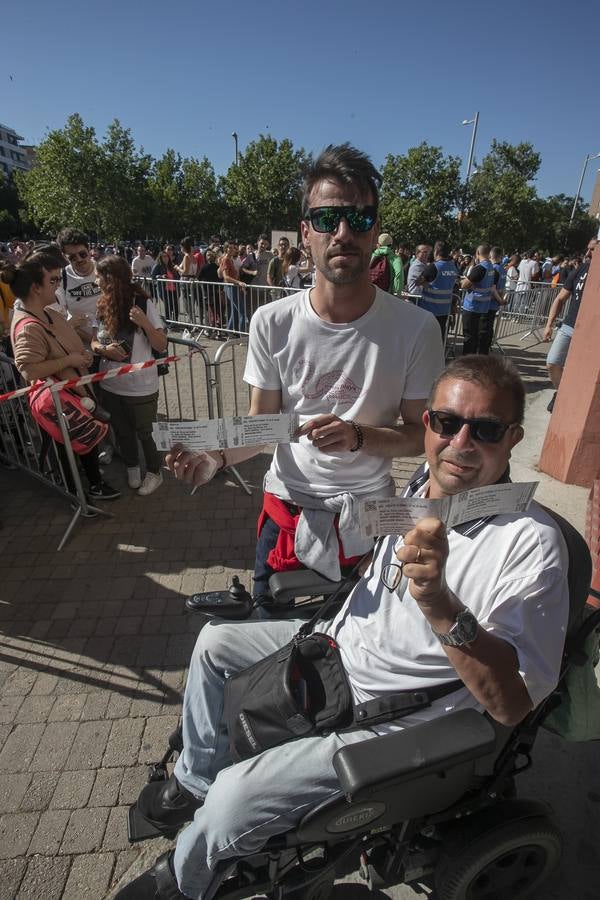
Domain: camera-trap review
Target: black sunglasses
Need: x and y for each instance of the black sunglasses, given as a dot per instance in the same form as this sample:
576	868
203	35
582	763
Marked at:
326	219
487	431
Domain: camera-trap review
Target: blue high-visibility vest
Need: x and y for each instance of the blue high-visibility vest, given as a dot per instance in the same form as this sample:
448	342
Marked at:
499	268
437	296
478	299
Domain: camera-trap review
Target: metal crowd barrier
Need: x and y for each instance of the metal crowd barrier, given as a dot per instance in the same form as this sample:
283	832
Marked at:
210	309
24	445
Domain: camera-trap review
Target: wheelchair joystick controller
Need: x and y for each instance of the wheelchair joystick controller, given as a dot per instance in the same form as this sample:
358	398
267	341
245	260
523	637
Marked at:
235	603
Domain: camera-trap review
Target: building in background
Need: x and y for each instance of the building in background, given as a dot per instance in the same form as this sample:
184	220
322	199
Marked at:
13	154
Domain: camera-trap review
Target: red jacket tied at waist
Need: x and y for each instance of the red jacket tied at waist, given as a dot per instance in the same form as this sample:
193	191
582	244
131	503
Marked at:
282	558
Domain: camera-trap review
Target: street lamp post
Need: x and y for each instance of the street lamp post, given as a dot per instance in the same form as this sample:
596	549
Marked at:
474	122
237	152
585	165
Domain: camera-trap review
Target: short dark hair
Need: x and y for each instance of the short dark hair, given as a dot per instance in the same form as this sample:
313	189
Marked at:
490	372
72	236
30	269
484	249
345	165
186	243
263	237
496	252
441	248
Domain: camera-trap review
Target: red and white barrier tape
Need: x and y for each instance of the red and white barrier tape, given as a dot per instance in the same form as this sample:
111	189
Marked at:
97	376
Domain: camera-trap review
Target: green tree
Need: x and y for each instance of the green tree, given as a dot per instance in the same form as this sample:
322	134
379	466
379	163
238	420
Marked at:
65	186
200	201
164	185
501	202
419	195
124	197
551	231
263	190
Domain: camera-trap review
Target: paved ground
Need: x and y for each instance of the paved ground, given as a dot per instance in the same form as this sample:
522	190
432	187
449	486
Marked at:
95	643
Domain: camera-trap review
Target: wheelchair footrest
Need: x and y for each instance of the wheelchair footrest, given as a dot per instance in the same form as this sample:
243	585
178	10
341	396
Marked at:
140	829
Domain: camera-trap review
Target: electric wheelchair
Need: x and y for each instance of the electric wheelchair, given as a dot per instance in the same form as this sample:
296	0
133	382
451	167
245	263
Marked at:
436	801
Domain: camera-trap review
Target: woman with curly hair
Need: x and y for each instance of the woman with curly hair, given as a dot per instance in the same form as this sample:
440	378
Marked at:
129	329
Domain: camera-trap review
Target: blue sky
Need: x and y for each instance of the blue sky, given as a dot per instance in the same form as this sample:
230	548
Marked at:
383	75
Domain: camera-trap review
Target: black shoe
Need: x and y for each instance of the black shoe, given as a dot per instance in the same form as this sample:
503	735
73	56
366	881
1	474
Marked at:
103	491
550	406
167	804
157	883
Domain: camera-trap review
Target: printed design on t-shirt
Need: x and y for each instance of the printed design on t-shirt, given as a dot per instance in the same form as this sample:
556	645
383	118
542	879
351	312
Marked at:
581	283
334	386
87	289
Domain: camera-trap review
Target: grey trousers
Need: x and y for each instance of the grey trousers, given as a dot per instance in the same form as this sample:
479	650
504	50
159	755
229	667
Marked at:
247	803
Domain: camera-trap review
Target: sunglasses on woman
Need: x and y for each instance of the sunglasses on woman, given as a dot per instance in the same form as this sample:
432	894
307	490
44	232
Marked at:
326	219
486	431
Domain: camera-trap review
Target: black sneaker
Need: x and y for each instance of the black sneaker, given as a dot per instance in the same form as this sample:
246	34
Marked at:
103	491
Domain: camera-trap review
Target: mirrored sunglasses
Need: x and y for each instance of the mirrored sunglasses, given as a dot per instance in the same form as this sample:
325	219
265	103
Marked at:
326	219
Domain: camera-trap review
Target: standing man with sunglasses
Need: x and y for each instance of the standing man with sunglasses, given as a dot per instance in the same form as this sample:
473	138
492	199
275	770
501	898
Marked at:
78	294
352	362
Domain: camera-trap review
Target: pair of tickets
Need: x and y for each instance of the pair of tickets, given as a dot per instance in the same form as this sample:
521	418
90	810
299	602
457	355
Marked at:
392	515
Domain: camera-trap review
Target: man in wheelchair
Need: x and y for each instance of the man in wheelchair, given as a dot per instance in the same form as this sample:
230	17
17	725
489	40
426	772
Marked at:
474	616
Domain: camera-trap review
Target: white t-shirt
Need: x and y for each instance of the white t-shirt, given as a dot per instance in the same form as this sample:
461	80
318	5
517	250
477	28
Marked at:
292	277
81	294
144	382
512	276
526	269
141	267
361	370
511	574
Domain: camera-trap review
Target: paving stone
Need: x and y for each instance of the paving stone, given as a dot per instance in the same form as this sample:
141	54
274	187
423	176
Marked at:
40	791
118	706
89	877
88	745
95	705
54	747
125	859
106	787
19	748
85	830
134	779
11	875
9	707
35	708
13	788
45	878
156	734
49	832
67	708
16	830
124	742
115	836
73	789
19	683
45	683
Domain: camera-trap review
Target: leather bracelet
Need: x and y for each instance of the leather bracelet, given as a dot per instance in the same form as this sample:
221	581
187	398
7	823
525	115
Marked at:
360	438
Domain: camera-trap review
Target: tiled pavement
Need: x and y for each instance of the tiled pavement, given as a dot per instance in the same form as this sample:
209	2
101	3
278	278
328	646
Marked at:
93	656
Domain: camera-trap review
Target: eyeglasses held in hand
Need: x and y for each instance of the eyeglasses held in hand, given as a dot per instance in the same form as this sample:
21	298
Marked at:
391	575
487	431
326	219
81	254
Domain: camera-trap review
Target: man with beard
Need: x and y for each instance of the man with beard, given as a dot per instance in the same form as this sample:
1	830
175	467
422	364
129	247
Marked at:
78	294
352	362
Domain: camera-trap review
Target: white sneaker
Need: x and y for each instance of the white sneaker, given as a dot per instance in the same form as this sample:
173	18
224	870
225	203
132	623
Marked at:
134	477
150	483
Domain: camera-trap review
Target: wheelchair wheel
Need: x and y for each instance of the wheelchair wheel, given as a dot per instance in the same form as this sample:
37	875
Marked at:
503	863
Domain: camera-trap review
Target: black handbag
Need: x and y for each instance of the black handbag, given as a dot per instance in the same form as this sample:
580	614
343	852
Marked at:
302	690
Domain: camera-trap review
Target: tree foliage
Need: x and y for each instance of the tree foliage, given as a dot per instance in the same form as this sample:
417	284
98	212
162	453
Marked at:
419	194
263	190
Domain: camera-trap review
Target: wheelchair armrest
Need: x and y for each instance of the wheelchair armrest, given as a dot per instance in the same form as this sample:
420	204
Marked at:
392	758
286	586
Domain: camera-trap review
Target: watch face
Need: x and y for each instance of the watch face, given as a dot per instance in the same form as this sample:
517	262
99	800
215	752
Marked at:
466	627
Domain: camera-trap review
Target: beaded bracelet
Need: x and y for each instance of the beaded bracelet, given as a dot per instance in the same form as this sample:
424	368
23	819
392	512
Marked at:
360	438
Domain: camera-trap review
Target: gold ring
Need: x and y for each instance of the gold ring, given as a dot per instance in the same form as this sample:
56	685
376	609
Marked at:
418	559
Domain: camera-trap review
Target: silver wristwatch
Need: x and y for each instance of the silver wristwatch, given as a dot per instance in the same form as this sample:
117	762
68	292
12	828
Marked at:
464	630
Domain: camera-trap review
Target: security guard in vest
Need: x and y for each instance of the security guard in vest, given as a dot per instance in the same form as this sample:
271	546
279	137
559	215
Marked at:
490	319
440	277
480	286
